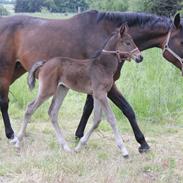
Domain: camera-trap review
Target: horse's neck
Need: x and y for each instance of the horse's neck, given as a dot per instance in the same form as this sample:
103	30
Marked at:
148	38
145	37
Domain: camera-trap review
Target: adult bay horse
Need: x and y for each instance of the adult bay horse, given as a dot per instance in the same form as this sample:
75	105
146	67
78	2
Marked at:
29	39
93	76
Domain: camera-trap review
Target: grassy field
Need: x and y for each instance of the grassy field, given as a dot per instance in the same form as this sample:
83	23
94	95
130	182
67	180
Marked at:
154	88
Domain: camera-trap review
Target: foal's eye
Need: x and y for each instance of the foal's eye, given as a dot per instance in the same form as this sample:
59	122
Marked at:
128	43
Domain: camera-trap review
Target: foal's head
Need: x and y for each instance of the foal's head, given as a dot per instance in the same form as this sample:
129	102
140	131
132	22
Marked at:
123	43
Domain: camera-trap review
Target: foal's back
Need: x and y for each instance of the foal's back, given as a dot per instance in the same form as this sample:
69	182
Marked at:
68	72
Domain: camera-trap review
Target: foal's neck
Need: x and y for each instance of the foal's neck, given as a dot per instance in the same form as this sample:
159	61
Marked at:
110	60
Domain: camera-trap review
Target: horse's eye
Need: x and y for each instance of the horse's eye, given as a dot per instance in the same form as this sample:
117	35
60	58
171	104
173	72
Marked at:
181	42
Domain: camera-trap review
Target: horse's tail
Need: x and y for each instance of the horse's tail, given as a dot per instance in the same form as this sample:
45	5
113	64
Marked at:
32	74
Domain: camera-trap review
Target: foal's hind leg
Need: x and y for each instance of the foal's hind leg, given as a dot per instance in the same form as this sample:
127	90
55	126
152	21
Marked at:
31	108
112	121
96	121
43	93
53	113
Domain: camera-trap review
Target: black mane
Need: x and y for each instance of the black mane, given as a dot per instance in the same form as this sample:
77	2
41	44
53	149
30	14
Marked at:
135	19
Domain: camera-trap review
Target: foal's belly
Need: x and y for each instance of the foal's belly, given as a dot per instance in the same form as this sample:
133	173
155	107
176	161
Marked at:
78	84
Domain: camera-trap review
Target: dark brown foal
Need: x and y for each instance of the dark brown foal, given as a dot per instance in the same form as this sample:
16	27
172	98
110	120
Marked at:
94	77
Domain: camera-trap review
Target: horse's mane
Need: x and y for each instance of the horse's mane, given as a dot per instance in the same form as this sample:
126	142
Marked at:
135	19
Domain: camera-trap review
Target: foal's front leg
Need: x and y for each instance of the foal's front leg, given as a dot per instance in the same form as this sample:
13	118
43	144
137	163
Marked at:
96	121
53	113
112	121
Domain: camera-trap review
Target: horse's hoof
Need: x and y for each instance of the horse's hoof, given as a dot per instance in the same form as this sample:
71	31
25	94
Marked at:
78	136
126	156
144	148
10	136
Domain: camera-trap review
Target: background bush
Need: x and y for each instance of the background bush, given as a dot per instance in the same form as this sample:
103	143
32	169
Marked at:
160	7
3	11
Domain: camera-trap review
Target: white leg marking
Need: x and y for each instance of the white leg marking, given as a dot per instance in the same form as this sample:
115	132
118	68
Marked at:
112	121
31	108
53	113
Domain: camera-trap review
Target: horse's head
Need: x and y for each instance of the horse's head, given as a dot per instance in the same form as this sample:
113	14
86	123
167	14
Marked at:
126	45
173	45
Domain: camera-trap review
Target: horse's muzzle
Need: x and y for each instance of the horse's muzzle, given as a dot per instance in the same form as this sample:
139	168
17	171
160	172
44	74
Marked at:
139	59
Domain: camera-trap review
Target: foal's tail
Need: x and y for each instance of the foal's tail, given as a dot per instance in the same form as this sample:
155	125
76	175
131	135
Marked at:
32	74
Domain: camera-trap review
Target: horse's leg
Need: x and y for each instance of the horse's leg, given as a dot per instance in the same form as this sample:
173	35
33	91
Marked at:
18	71
96	121
88	107
127	110
5	80
112	121
4	102
53	113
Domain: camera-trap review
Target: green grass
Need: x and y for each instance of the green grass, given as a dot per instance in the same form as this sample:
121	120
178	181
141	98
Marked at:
154	89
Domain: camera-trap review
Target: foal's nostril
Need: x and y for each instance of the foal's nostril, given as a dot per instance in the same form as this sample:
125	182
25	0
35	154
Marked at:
139	59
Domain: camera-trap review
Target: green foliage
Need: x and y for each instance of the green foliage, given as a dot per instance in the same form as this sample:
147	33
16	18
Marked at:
118	5
70	5
3	11
28	5
159	7
51	5
153	88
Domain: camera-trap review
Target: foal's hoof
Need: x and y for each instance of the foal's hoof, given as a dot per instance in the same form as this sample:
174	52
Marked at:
17	145
144	148
14	140
77	149
67	149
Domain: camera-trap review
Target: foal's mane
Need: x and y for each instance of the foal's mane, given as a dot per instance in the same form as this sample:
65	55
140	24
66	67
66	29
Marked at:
135	19
99	52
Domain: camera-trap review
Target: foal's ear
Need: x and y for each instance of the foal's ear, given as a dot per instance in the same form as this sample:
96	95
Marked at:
123	29
177	20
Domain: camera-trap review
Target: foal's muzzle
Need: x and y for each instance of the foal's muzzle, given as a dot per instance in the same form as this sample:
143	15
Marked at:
136	55
139	58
